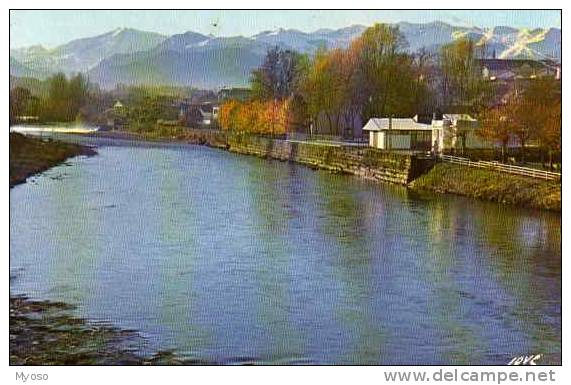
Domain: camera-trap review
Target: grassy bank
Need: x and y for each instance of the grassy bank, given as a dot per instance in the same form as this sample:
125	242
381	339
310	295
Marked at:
29	156
491	186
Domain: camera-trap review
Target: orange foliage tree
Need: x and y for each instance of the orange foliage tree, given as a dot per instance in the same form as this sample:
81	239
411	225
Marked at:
498	126
256	117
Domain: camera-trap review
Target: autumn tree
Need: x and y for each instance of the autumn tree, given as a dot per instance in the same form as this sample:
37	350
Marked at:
227	114
530	113
538	114
255	116
324	89
380	58
497	125
462	83
276	80
388	79
277	76
550	133
350	75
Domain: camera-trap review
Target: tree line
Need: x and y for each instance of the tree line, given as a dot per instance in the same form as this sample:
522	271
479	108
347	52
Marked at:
530	113
375	76
62	101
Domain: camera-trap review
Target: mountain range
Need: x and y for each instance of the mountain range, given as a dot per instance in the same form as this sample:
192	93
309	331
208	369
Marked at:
130	56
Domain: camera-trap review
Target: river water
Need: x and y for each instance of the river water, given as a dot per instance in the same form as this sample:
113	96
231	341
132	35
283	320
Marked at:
229	258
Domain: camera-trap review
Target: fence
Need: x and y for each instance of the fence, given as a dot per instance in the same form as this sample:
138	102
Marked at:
517	170
325	138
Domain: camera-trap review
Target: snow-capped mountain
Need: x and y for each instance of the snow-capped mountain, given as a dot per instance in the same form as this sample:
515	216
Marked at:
132	56
83	54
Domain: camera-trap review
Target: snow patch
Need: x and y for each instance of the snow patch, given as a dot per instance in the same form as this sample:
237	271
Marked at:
117	31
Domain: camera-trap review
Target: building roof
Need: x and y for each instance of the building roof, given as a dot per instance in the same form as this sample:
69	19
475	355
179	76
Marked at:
381	124
509	64
457	117
203	108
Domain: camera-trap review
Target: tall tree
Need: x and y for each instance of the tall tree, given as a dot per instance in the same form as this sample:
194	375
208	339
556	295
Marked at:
537	114
462	83
277	76
65	97
497	125
20	99
386	73
324	88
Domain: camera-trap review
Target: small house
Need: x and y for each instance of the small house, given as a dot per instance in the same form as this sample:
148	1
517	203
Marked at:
423	133
404	134
202	115
461	132
115	117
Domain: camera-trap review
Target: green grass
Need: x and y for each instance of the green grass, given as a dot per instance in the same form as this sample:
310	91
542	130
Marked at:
491	186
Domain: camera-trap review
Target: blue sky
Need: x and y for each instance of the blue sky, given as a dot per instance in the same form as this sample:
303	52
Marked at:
51	28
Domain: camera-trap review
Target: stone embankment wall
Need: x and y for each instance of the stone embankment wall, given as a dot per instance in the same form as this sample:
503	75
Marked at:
392	167
364	162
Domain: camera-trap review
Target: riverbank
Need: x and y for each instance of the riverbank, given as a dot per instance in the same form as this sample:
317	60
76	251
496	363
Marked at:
45	333
29	156
365	162
491	186
369	163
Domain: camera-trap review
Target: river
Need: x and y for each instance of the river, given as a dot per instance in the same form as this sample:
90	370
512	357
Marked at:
230	259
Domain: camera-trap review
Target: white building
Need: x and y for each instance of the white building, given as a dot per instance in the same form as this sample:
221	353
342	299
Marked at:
404	134
451	131
461	132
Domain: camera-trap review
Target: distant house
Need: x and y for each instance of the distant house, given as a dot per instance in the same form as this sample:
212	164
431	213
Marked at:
115	117
511	69
198	115
419	133
460	132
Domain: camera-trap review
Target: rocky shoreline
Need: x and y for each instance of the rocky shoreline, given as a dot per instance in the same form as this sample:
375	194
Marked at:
46	333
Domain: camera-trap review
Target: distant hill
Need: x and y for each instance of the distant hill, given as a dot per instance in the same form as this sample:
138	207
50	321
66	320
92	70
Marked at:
133	57
20	70
204	65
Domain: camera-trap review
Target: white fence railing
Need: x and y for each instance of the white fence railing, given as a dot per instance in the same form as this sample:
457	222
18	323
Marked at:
507	168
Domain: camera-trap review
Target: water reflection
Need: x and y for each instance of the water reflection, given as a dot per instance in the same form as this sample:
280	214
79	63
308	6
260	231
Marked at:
232	258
